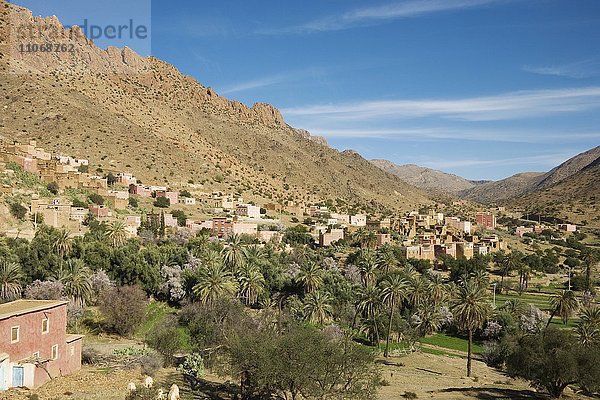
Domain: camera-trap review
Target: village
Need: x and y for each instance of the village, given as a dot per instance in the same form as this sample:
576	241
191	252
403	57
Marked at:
422	236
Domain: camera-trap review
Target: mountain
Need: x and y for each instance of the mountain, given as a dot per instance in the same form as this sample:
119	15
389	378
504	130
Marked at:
492	192
426	178
573	199
125	112
530	182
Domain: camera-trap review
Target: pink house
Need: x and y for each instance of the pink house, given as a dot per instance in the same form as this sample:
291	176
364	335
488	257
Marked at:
34	344
172	196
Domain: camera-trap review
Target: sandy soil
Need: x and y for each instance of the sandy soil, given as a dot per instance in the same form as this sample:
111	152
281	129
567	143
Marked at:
428	376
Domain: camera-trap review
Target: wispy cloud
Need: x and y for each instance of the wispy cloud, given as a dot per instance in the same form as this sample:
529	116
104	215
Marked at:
276	79
461	133
578	70
507	106
374	15
551	160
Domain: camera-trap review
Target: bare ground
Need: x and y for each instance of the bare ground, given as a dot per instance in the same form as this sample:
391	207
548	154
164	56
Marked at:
428	376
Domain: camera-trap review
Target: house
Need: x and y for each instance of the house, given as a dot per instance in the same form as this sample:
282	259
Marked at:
464	249
78	214
188	201
34	344
358	220
140	190
328	238
248	210
567	227
244	228
170	220
521	231
221	227
99	211
172	196
126	179
267	236
195	226
486	219
383	238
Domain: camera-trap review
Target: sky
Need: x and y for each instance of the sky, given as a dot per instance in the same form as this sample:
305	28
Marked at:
480	88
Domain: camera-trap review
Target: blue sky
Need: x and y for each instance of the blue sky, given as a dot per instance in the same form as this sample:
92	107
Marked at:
480	88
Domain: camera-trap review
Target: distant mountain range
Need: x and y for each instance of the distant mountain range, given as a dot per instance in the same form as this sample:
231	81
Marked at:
427	178
568	191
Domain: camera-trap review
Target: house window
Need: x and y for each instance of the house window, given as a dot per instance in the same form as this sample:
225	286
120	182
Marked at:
15	334
45	325
36	354
55	352
72	350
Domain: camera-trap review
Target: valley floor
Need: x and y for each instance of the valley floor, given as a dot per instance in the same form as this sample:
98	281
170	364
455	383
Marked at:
428	376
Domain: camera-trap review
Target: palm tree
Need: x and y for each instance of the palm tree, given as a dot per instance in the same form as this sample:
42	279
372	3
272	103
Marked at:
233	253
310	276
369	303
10	281
563	304
588	328
591	315
214	282
393	291
116	233
62	246
429	318
438	290
386	260
514	307
368	267
252	283
470	308
317	307
590	260
417	292
77	281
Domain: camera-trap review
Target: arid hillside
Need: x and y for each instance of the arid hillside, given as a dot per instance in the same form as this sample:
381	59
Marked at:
426	178
141	115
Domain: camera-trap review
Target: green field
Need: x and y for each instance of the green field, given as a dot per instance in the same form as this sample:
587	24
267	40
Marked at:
451	343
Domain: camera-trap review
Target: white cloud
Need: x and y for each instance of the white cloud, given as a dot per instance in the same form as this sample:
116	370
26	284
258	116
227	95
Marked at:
508	106
372	15
577	70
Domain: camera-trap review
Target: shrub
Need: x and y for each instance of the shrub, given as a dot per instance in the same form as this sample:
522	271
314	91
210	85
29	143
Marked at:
18	211
124	308
151	363
495	353
53	187
133	202
44	290
143	393
166	338
162	202
96	199
193	366
90	356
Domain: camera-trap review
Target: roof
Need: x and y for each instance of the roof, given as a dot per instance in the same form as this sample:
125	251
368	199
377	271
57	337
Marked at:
72	338
20	307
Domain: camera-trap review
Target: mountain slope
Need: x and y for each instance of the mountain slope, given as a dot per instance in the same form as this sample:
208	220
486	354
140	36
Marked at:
426	178
492	192
574	199
529	182
125	112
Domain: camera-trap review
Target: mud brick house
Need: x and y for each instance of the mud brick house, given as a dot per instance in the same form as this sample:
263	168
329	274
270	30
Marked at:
34	344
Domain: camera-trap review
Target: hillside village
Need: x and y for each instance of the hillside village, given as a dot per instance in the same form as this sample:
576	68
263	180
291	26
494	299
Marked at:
422	236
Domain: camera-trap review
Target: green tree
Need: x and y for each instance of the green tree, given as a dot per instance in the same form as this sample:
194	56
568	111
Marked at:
215	282
62	246
124	308
564	305
310	276
251	283
77	281
317	307
11	276
116	233
162	202
53	188
470	308
393	292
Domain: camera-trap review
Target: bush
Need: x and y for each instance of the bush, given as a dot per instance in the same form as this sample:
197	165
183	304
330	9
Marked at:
53	187
151	363
96	199
124	308
166	338
133	203
44	290
143	393
18	211
553	359
192	366
90	356
162	202
495	353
